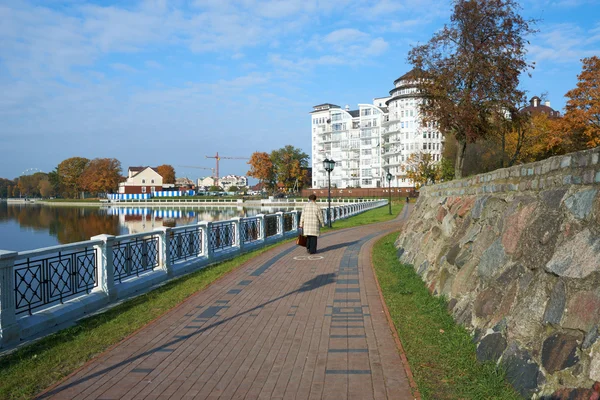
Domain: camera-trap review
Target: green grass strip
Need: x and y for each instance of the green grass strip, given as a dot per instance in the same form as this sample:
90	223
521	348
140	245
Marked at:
34	367
441	353
380	214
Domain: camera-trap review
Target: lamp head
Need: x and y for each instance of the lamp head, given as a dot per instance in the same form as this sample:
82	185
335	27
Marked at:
389	176
328	165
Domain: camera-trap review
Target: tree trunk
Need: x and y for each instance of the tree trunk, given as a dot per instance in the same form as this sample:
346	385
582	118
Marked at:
460	158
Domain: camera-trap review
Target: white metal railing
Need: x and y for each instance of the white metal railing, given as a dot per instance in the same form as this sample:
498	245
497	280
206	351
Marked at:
43	288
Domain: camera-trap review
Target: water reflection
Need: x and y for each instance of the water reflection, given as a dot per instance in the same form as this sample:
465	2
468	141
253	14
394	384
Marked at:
31	226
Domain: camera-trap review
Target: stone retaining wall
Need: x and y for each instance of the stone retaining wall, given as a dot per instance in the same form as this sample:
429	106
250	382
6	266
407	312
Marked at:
517	254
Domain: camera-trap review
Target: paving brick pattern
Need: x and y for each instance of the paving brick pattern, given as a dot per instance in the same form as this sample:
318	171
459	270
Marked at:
282	326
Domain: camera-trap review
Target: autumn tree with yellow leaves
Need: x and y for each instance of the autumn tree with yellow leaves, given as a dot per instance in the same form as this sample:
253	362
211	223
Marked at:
583	107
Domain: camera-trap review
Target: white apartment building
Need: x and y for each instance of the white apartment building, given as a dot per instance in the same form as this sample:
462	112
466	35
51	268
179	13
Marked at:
353	140
376	139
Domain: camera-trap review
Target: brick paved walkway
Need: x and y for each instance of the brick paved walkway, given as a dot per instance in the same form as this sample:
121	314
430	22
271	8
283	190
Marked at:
283	326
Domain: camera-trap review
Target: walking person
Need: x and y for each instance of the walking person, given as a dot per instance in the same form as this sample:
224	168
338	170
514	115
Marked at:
311	222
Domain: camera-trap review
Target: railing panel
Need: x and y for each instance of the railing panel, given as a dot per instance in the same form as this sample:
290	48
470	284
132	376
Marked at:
135	256
288	222
222	235
44	280
270	225
184	244
250	230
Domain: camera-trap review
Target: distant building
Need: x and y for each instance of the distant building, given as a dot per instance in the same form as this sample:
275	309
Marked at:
184	184
233	180
208	181
375	139
141	180
225	182
536	107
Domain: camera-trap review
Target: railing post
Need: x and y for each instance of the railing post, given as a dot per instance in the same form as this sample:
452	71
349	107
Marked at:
164	244
106	266
237	235
279	223
262	234
9	329
208	249
295	220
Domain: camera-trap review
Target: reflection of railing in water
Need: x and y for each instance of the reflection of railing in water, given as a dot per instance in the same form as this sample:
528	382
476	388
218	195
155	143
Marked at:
107	268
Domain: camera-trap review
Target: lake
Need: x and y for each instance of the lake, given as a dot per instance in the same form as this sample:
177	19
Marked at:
33	226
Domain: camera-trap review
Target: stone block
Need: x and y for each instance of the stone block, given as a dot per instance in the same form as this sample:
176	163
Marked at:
556	305
492	260
590	338
576	180
491	347
521	371
465	281
559	352
595	158
576	257
582	159
553	198
567	179
583	311
565	162
597	178
515	225
580	204
588	177
487	302
595	363
572	394
442	212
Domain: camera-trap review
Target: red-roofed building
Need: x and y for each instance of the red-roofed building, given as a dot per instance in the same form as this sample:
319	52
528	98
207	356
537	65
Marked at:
141	180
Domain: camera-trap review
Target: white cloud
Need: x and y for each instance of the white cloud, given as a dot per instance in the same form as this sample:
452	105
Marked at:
344	36
563	43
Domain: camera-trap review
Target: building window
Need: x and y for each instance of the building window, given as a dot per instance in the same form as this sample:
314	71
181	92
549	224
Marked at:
152	181
152	189
143	189
143	181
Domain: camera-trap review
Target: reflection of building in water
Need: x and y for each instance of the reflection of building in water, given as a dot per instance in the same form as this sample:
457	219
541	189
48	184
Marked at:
145	219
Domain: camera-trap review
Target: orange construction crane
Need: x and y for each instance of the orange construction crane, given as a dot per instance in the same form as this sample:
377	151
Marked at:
217	157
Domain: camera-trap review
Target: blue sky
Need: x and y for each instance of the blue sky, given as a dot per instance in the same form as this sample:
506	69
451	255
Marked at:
170	82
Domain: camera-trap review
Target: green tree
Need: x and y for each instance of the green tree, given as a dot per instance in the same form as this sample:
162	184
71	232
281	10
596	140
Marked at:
69	172
233	188
290	165
469	71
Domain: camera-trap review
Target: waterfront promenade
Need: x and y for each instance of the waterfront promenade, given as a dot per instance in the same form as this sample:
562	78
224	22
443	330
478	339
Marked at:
282	326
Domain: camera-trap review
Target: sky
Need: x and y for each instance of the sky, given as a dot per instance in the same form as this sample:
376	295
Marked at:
154	82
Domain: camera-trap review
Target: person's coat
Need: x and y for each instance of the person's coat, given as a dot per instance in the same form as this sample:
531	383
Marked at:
311	219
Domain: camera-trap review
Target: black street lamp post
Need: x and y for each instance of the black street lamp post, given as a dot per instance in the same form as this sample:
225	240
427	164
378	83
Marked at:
329	165
389	179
